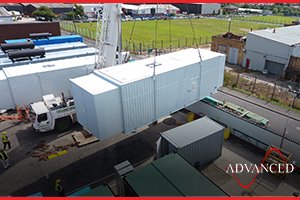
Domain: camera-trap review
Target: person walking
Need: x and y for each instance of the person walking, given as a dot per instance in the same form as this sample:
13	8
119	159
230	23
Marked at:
59	188
4	159
5	140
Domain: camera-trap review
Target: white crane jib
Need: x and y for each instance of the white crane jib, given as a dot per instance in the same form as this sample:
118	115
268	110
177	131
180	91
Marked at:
110	36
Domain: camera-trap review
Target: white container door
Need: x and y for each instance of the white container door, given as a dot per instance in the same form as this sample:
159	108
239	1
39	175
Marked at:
233	56
192	89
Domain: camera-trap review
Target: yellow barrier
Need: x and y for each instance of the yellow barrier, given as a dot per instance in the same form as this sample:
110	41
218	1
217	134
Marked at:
227	132
190	116
59	153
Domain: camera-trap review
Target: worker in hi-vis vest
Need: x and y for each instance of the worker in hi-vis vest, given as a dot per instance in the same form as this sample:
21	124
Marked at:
5	140
59	188
4	158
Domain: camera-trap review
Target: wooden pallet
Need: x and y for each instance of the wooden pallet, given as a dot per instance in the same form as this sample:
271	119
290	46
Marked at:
275	157
83	138
274	154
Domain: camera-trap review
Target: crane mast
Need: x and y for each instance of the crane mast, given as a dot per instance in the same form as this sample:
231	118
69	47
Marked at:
109	35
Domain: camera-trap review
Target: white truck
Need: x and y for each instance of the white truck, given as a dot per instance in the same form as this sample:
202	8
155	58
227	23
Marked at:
53	113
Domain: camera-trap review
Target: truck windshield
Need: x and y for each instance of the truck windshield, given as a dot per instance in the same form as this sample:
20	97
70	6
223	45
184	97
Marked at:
32	115
42	117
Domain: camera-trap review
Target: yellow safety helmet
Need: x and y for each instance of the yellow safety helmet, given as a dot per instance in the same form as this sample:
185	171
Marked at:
3	133
58	181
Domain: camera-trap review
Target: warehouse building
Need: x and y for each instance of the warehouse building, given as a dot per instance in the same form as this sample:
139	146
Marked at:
22	30
169	176
12	7
5	16
272	50
199	8
157	9
230	44
57	8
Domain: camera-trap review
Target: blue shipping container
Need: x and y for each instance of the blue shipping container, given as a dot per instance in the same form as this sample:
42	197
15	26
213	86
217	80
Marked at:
51	40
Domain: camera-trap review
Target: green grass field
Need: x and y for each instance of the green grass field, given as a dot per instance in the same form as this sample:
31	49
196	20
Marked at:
269	19
181	31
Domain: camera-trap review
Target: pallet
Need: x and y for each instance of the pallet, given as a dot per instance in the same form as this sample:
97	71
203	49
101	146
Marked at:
83	138
274	154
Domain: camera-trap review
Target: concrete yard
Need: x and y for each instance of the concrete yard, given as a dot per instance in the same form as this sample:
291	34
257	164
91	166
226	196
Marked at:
236	151
93	164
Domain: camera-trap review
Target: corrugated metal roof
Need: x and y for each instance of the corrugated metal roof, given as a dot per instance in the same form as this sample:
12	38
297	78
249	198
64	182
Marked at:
287	35
191	132
171	175
49	5
148	181
164	6
186	178
4	12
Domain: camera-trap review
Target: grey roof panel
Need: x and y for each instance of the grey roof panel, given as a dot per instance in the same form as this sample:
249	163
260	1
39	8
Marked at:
191	132
287	35
186	178
147	181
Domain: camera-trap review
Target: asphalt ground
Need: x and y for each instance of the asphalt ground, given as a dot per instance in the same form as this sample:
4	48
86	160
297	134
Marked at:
280	118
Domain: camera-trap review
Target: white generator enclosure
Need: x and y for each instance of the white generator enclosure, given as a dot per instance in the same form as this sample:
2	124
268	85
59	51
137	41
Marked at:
28	83
98	106
6	100
146	93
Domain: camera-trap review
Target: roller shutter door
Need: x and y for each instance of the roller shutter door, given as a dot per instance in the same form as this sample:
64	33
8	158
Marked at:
274	67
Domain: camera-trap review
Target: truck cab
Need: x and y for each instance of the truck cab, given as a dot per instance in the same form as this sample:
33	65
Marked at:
52	113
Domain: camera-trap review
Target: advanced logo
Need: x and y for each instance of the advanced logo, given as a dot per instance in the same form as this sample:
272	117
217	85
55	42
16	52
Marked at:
263	167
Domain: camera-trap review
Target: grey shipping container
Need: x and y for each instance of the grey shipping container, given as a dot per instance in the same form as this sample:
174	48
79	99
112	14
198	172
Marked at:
199	142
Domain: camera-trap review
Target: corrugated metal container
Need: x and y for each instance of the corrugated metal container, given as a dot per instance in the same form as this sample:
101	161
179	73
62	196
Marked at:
6	100
51	40
170	175
98	106
29	83
199	142
56	47
58	55
178	82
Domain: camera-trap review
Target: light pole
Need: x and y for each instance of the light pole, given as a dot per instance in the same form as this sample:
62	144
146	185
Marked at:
229	25
286	123
74	18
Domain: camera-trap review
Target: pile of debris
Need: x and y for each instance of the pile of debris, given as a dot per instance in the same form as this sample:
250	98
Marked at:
45	152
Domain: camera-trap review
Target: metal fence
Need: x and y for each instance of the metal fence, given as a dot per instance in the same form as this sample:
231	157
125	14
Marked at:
266	20
141	46
268	91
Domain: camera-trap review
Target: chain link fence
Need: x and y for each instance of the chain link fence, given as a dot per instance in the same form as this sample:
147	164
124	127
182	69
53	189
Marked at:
141	46
263	20
268	91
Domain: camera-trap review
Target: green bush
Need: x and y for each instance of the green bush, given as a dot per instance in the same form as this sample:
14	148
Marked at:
44	12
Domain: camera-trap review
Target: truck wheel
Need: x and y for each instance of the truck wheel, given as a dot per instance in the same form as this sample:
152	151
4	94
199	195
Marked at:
63	124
